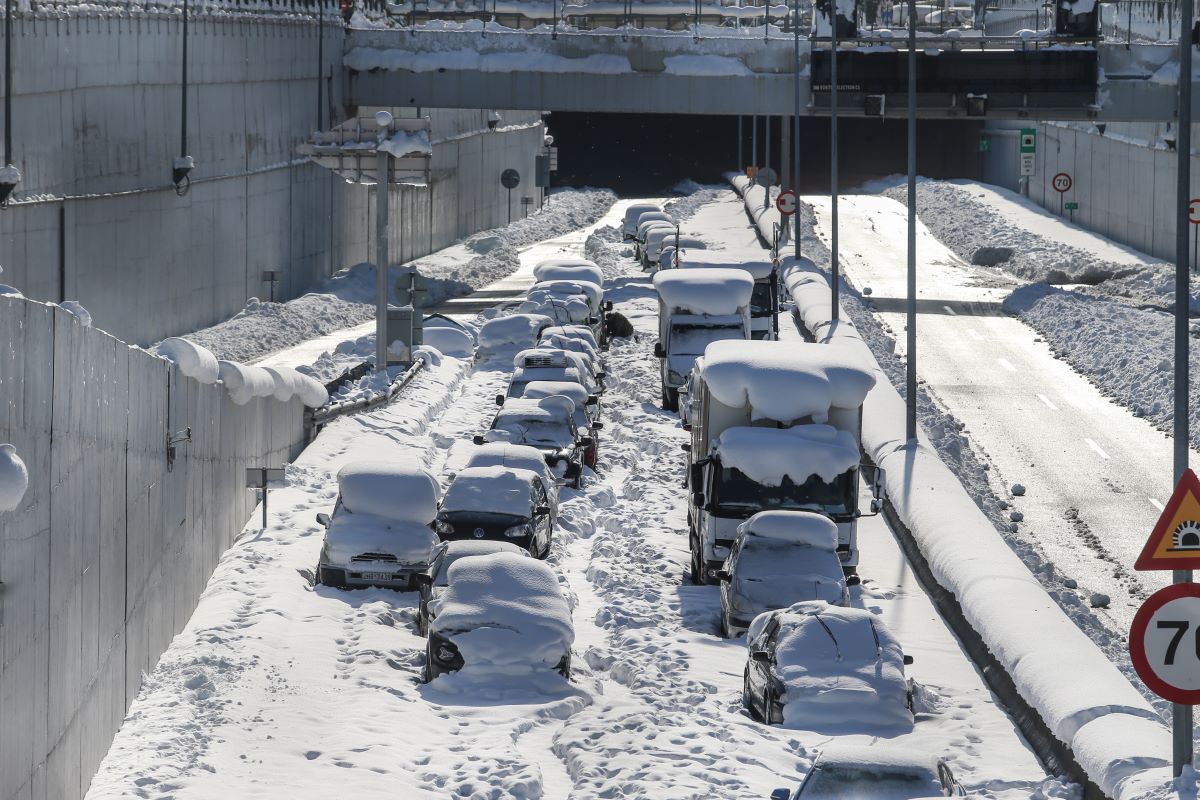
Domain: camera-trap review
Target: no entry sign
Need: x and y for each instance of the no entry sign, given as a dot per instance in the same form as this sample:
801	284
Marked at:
1194	211
1164	643
1062	182
786	202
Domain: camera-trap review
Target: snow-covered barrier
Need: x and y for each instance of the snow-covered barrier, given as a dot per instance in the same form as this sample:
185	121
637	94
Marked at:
766	217
1115	736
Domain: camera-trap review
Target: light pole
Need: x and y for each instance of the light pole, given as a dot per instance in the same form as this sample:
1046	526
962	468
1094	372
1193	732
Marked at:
796	125
910	426
833	158
382	166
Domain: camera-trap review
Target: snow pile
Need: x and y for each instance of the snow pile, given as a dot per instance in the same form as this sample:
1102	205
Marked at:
786	381
505	612
794	527
514	329
715	292
495	490
365	59
768	455
842	669
14	478
450	342
570	269
396	489
244	383
193	360
76	308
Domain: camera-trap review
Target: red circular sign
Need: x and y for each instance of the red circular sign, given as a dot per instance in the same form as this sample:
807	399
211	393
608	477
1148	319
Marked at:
1194	211
1164	643
1062	182
786	202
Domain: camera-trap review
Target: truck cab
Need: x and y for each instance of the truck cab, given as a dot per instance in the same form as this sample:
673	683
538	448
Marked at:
764	301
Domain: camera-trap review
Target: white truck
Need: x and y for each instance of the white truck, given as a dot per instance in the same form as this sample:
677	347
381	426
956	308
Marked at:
697	307
764	303
775	426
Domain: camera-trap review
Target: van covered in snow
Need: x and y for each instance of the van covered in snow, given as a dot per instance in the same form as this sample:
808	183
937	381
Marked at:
775	426
697	307
764	303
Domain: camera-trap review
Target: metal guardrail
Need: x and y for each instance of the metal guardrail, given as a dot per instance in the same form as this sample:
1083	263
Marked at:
320	417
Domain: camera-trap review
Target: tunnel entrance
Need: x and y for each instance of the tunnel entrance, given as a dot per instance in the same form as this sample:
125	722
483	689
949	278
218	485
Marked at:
648	154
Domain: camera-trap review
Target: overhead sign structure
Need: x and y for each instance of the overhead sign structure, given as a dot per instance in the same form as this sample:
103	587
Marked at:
1062	183
787	203
1175	541
1164	643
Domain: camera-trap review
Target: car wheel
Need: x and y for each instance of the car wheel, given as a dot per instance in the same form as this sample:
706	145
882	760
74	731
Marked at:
670	399
725	632
697	563
747	695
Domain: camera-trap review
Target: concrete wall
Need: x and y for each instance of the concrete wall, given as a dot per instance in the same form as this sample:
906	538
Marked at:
105	558
97	122
1123	180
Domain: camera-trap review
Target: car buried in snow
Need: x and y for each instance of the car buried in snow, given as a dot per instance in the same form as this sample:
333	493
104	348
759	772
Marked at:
780	558
500	615
829	669
548	425
587	410
500	504
568	269
432	583
581	332
381	530
552	364
632	213
891	772
502	454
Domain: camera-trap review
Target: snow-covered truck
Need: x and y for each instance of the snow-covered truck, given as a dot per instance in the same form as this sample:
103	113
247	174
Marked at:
695	308
775	426
764	302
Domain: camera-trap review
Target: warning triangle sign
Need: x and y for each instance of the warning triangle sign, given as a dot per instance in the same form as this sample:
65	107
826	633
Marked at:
1175	541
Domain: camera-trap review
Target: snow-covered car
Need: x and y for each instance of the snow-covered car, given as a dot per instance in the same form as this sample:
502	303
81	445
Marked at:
574	332
512	329
632	213
514	456
675	246
380	532
648	218
547	424
644	231
575	344
563	309
546	364
826	668
432	583
780	558
892	772
580	357
498	503
559	298
500	614
656	239
587	410
568	269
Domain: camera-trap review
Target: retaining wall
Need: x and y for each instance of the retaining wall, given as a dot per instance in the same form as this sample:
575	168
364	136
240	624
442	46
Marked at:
104	560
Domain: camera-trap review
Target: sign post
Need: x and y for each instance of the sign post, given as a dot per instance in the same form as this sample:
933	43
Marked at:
1062	184
510	179
1194	218
258	478
786	202
1028	151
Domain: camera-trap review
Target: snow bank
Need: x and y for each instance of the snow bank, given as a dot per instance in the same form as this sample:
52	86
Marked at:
519	329
496	490
579	269
76	308
14	478
450	342
244	383
716	292
795	527
505	611
786	381
768	455
193	360
395	490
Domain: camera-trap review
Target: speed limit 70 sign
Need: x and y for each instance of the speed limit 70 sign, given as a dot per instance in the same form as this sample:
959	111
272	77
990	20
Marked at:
1164	643
1062	182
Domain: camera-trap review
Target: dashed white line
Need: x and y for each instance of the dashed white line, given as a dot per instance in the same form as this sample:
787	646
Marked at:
974	334
1096	447
1156	503
1046	400
1004	362
950	311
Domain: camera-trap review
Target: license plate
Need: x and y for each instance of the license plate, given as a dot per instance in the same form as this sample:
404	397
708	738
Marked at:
377	576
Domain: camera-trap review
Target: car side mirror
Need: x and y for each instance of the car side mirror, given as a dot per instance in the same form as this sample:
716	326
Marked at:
541	511
696	474
908	660
686	447
723	575
592	400
853	580
323	519
760	657
780	794
586	441
596	426
659	352
608	306
477	438
423	579
499	399
601	376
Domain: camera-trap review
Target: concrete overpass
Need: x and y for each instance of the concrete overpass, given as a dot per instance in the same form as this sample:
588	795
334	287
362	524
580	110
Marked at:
674	73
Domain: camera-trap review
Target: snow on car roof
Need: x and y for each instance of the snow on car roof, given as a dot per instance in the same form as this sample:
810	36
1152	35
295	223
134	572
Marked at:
757	267
560	287
554	271
555	407
572	331
793	527
396	490
535	390
505	610
514	456
542	357
768	455
786	381
519	329
562	308
705	291
497	490
880	757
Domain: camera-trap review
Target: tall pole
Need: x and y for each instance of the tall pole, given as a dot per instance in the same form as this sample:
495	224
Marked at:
798	234
910	425
8	13
833	159
320	63
1181	715
740	163
381	259
767	161
754	140
183	124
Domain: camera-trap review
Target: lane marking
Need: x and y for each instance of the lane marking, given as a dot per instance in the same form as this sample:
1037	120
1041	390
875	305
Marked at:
1096	447
1004	362
974	334
1156	504
1046	400
950	311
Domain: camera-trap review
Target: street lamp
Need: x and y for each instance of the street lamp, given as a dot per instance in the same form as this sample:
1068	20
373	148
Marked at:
796	125
910	386
382	169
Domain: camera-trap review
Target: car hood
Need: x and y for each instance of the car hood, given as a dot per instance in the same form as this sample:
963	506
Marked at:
352	535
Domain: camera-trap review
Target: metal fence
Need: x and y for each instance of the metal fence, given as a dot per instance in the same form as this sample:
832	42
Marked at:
104	560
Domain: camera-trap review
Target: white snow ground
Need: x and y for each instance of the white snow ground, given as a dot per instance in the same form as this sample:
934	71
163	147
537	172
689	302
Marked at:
279	689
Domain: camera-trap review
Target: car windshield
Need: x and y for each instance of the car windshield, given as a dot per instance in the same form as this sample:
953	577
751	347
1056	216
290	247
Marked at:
690	340
537	431
852	783
760	300
736	492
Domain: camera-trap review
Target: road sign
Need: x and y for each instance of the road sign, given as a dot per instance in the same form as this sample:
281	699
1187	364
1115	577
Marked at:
1194	211
1072	206
984	144
1028	140
1175	541
1027	162
1062	183
786	202
1164	643
553	153
510	179
765	176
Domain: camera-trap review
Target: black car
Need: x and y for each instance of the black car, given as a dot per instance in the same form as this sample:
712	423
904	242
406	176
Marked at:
889	770
549	426
500	504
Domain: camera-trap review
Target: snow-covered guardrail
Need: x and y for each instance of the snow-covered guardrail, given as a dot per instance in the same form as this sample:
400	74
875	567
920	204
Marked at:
1117	739
319	417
